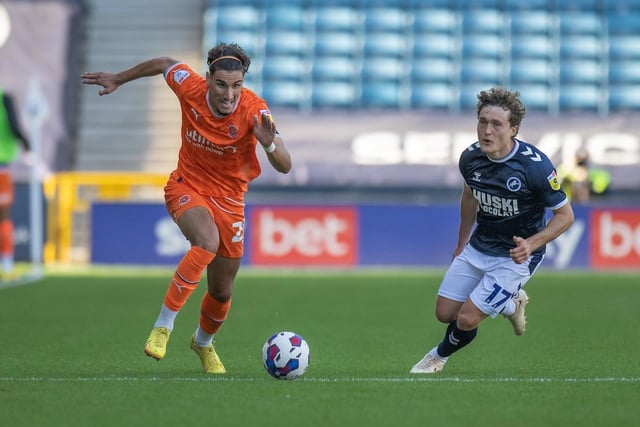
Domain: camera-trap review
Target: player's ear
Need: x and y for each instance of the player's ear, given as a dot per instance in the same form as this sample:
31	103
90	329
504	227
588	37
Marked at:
514	130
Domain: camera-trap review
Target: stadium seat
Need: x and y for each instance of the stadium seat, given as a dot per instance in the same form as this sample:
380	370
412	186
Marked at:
334	44
578	5
381	95
432	95
333	95
581	47
385	44
624	97
531	47
619	22
286	43
337	18
286	18
485	21
285	68
580	97
376	69
286	94
531	22
334	68
534	96
579	23
468	99
581	71
483	46
624	48
386	20
434	46
622	5
531	71
432	70
624	72
434	21
242	17
481	70
250	40
528	4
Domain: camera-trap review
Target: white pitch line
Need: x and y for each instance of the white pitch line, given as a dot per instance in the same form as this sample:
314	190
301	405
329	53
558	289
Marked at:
330	380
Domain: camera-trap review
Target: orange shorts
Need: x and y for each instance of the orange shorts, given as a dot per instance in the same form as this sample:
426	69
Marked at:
227	213
6	188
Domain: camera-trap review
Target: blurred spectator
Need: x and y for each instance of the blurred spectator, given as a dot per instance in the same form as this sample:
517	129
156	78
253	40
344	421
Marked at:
11	136
581	181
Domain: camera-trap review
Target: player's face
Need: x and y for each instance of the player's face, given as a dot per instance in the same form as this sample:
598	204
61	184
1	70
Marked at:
495	133
224	90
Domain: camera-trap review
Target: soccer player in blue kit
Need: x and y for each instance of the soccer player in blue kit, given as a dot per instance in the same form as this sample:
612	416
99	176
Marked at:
508	185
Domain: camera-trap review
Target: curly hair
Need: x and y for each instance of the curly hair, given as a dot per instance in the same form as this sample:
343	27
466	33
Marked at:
228	57
506	99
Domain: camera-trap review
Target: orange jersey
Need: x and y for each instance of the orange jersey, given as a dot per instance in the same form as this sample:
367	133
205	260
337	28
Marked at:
218	153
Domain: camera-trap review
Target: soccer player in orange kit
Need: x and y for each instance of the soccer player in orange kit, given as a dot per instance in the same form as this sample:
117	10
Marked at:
222	121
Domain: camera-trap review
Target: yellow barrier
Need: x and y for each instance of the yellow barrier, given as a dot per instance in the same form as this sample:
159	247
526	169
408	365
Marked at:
69	197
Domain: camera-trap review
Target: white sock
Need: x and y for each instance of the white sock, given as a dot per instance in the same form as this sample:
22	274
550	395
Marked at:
202	338
509	308
166	318
7	263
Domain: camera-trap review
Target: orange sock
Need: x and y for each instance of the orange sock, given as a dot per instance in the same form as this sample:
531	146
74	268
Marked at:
213	313
187	276
6	238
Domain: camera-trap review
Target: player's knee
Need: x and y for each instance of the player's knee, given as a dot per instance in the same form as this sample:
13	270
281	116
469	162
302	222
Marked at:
445	315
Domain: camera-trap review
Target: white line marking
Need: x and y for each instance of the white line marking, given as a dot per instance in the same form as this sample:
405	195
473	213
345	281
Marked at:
328	380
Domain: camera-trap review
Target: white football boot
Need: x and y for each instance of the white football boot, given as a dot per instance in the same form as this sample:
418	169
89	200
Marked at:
518	319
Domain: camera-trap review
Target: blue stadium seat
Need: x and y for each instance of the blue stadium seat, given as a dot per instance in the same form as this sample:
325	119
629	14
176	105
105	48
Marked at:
581	47
286	17
531	22
581	71
434	21
624	72
333	95
481	70
535	96
378	69
486	21
334	68
624	48
531	47
332	44
619	22
240	17
286	43
580	97
432	95
624	97
385	19
580	23
285	68
337	18
381	95
528	4
622	5
432	70
531	71
434	46
483	46
468	99
286	94
249	40
385	44
578	5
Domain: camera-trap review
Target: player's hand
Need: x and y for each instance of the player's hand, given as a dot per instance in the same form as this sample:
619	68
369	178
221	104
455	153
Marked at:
264	129
108	81
522	251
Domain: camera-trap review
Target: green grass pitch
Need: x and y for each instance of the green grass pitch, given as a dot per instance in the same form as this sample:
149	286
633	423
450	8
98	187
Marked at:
71	353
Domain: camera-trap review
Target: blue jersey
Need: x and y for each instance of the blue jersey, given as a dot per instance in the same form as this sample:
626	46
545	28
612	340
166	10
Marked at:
513	194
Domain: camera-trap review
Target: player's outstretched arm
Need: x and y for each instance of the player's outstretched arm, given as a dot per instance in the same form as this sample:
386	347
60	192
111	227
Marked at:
112	81
265	131
468	213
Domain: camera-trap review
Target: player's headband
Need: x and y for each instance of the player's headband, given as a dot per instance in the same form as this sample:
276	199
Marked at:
211	62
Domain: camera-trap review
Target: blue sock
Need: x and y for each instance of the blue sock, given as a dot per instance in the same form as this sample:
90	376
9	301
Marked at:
455	339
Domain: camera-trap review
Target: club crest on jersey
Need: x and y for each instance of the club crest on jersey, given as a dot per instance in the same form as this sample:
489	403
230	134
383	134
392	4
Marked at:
554	182
184	199
180	75
233	131
514	184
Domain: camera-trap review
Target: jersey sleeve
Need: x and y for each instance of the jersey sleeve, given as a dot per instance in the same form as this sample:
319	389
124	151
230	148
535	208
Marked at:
182	79
547	184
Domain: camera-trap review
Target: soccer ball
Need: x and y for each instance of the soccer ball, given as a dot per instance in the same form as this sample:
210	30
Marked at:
285	355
